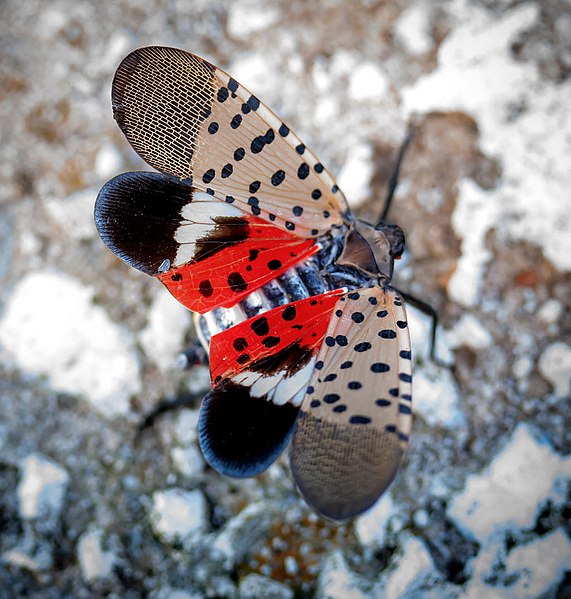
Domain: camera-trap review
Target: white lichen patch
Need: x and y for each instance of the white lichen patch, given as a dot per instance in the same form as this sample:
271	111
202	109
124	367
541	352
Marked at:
51	327
477	74
94	559
538	565
371	528
254	586
337	581
436	398
413	28
356	174
531	570
411	569
42	489
247	17
188	460
108	161
368	83
177	514
508	493
555	365
163	337
470	332
73	215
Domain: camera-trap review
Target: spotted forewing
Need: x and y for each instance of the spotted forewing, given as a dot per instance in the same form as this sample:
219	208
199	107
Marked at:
355	418
190	119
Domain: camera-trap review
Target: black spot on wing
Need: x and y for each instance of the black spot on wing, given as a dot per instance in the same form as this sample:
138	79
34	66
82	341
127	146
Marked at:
260	326
240	344
271	341
236	282
363	347
289	313
241	435
205	288
387	334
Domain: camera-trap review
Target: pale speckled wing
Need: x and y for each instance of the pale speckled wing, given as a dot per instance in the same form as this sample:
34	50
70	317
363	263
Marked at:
355	420
188	118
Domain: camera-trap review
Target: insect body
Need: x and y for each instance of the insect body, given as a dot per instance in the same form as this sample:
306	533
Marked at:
308	342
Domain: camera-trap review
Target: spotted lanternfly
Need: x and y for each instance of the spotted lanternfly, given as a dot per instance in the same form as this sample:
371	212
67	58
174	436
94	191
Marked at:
308	342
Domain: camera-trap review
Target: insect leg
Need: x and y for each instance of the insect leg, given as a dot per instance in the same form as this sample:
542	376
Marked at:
394	178
433	315
195	355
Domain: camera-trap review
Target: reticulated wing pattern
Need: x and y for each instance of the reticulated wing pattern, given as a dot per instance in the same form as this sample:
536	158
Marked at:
355	419
186	117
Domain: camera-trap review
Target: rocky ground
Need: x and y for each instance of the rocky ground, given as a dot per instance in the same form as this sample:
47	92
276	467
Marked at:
482	505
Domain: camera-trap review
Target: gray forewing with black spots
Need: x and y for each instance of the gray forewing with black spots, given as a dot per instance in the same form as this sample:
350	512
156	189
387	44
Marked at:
186	117
352	430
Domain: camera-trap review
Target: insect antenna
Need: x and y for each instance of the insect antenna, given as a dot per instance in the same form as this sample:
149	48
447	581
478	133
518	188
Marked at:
394	179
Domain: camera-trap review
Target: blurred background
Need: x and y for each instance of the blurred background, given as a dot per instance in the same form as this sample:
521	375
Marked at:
87	345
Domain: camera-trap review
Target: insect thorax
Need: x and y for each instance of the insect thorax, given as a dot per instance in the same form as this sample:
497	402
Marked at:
354	256
372	249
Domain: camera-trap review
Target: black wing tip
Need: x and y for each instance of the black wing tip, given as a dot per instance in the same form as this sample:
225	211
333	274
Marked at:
151	86
109	219
123	77
137	214
242	436
142	52
334	507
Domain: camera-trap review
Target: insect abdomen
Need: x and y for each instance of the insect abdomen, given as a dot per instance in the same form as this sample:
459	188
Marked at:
300	282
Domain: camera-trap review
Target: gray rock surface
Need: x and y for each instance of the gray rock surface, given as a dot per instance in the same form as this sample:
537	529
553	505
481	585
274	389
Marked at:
87	345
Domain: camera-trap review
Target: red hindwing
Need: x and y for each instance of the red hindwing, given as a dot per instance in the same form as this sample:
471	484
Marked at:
303	322
226	277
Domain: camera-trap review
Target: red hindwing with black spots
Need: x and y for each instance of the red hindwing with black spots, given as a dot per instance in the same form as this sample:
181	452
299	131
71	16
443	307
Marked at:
290	329
238	214
223	278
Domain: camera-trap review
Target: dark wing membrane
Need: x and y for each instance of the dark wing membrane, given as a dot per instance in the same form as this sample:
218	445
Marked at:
188	118
138	215
241	435
355	419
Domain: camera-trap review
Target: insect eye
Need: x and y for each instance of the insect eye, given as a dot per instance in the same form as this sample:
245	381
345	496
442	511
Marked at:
395	237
